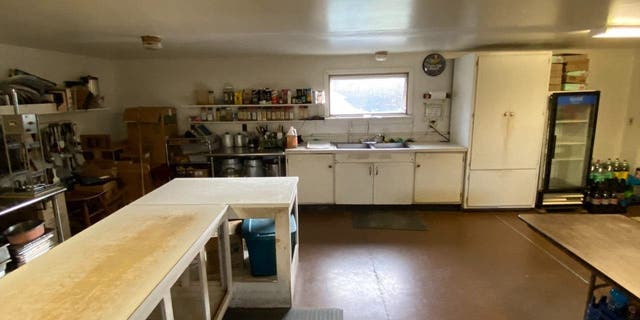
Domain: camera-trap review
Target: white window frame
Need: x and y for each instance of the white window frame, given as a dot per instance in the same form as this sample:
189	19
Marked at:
372	72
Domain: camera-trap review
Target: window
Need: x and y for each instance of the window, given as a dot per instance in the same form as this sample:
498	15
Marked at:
368	94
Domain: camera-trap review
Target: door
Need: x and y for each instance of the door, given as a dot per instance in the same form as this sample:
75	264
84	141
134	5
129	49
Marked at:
509	111
354	183
393	183
315	174
572	128
502	188
438	177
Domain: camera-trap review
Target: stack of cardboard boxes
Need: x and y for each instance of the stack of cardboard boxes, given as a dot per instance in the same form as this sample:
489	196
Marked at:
147	131
569	72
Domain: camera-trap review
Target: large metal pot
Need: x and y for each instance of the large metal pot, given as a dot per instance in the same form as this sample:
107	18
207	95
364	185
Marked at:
233	163
240	140
253	168
272	169
24	232
227	140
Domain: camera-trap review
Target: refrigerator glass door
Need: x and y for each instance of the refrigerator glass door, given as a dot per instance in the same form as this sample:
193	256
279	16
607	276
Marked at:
571	143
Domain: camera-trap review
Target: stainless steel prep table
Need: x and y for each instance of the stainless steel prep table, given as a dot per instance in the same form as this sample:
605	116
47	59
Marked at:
11	204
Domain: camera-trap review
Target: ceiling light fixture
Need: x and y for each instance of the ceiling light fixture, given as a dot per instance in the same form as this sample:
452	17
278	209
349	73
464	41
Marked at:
381	55
151	42
618	32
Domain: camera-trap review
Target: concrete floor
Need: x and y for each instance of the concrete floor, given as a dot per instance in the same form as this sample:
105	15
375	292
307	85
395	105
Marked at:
481	265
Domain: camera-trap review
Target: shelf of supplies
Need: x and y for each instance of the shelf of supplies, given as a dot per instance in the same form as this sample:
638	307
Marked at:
568	159
250	105
570	143
245	121
42	108
572	121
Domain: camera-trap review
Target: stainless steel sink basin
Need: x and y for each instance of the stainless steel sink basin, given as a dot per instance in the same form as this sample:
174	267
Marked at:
352	146
390	145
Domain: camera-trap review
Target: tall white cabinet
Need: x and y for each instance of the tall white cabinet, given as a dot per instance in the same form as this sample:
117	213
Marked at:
498	111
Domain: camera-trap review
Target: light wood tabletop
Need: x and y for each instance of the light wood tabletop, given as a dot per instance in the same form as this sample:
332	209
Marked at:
254	192
109	270
608	243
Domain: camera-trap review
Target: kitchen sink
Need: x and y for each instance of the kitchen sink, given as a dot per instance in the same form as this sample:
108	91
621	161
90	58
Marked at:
352	146
389	145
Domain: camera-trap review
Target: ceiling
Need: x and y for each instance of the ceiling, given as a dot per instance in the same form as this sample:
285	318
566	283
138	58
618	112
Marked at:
207	28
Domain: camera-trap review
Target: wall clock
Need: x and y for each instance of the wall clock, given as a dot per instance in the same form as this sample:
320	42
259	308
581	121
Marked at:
434	64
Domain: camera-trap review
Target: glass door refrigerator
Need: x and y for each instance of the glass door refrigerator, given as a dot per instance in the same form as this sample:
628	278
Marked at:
566	162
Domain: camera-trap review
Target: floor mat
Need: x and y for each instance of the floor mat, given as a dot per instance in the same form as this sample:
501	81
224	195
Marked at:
383	219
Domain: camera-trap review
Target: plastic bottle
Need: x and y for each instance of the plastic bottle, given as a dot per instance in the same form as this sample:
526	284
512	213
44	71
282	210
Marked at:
292	138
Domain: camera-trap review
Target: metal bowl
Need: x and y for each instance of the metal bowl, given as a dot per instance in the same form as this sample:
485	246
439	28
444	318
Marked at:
24	232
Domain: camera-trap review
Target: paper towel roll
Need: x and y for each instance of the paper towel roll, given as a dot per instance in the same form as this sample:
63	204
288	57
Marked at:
438	95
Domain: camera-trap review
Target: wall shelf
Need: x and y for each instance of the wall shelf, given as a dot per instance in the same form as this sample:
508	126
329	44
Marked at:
251	105
245	121
42	108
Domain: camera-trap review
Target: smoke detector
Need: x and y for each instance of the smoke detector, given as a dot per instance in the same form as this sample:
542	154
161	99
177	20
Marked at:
381	55
151	42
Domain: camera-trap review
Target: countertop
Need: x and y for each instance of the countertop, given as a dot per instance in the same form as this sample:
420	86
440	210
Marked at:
255	192
108	270
413	147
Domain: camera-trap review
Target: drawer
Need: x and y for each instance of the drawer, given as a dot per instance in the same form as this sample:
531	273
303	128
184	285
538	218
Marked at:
375	157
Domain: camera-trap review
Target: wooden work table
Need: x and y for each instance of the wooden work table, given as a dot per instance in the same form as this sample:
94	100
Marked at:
607	244
119	268
274	198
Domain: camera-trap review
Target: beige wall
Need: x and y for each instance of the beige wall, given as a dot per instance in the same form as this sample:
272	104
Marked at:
630	145
58	67
172	82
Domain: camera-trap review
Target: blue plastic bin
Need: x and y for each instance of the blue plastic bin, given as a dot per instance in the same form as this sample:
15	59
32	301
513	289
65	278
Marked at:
260	237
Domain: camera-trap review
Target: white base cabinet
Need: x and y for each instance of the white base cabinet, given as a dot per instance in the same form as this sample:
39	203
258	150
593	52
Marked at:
354	183
315	177
363	182
502	188
439	177
392	183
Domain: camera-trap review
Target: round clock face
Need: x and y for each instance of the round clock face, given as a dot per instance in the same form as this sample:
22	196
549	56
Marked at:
434	64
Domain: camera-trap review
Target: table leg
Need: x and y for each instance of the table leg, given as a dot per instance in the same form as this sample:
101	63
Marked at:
166	306
224	255
202	268
58	219
592	287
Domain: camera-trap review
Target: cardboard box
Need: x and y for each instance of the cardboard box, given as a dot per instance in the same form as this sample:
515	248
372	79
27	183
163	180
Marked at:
575	79
555	87
165	115
582	65
236	247
568	57
574	86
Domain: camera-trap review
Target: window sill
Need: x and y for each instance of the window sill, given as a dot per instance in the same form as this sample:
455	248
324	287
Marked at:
367	117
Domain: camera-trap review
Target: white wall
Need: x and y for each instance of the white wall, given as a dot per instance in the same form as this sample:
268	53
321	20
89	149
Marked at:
173	81
58	67
630	145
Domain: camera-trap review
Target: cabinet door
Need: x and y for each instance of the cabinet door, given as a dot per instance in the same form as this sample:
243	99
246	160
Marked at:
315	173
354	183
502	188
509	113
393	183
438	177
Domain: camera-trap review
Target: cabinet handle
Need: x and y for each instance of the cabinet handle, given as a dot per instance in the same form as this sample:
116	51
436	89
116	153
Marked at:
376	171
418	165
511	114
506	114
370	170
330	166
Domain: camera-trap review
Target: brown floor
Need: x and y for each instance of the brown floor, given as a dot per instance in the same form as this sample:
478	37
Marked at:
480	265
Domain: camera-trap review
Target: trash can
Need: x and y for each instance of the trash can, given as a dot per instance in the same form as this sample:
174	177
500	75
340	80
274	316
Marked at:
260	236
